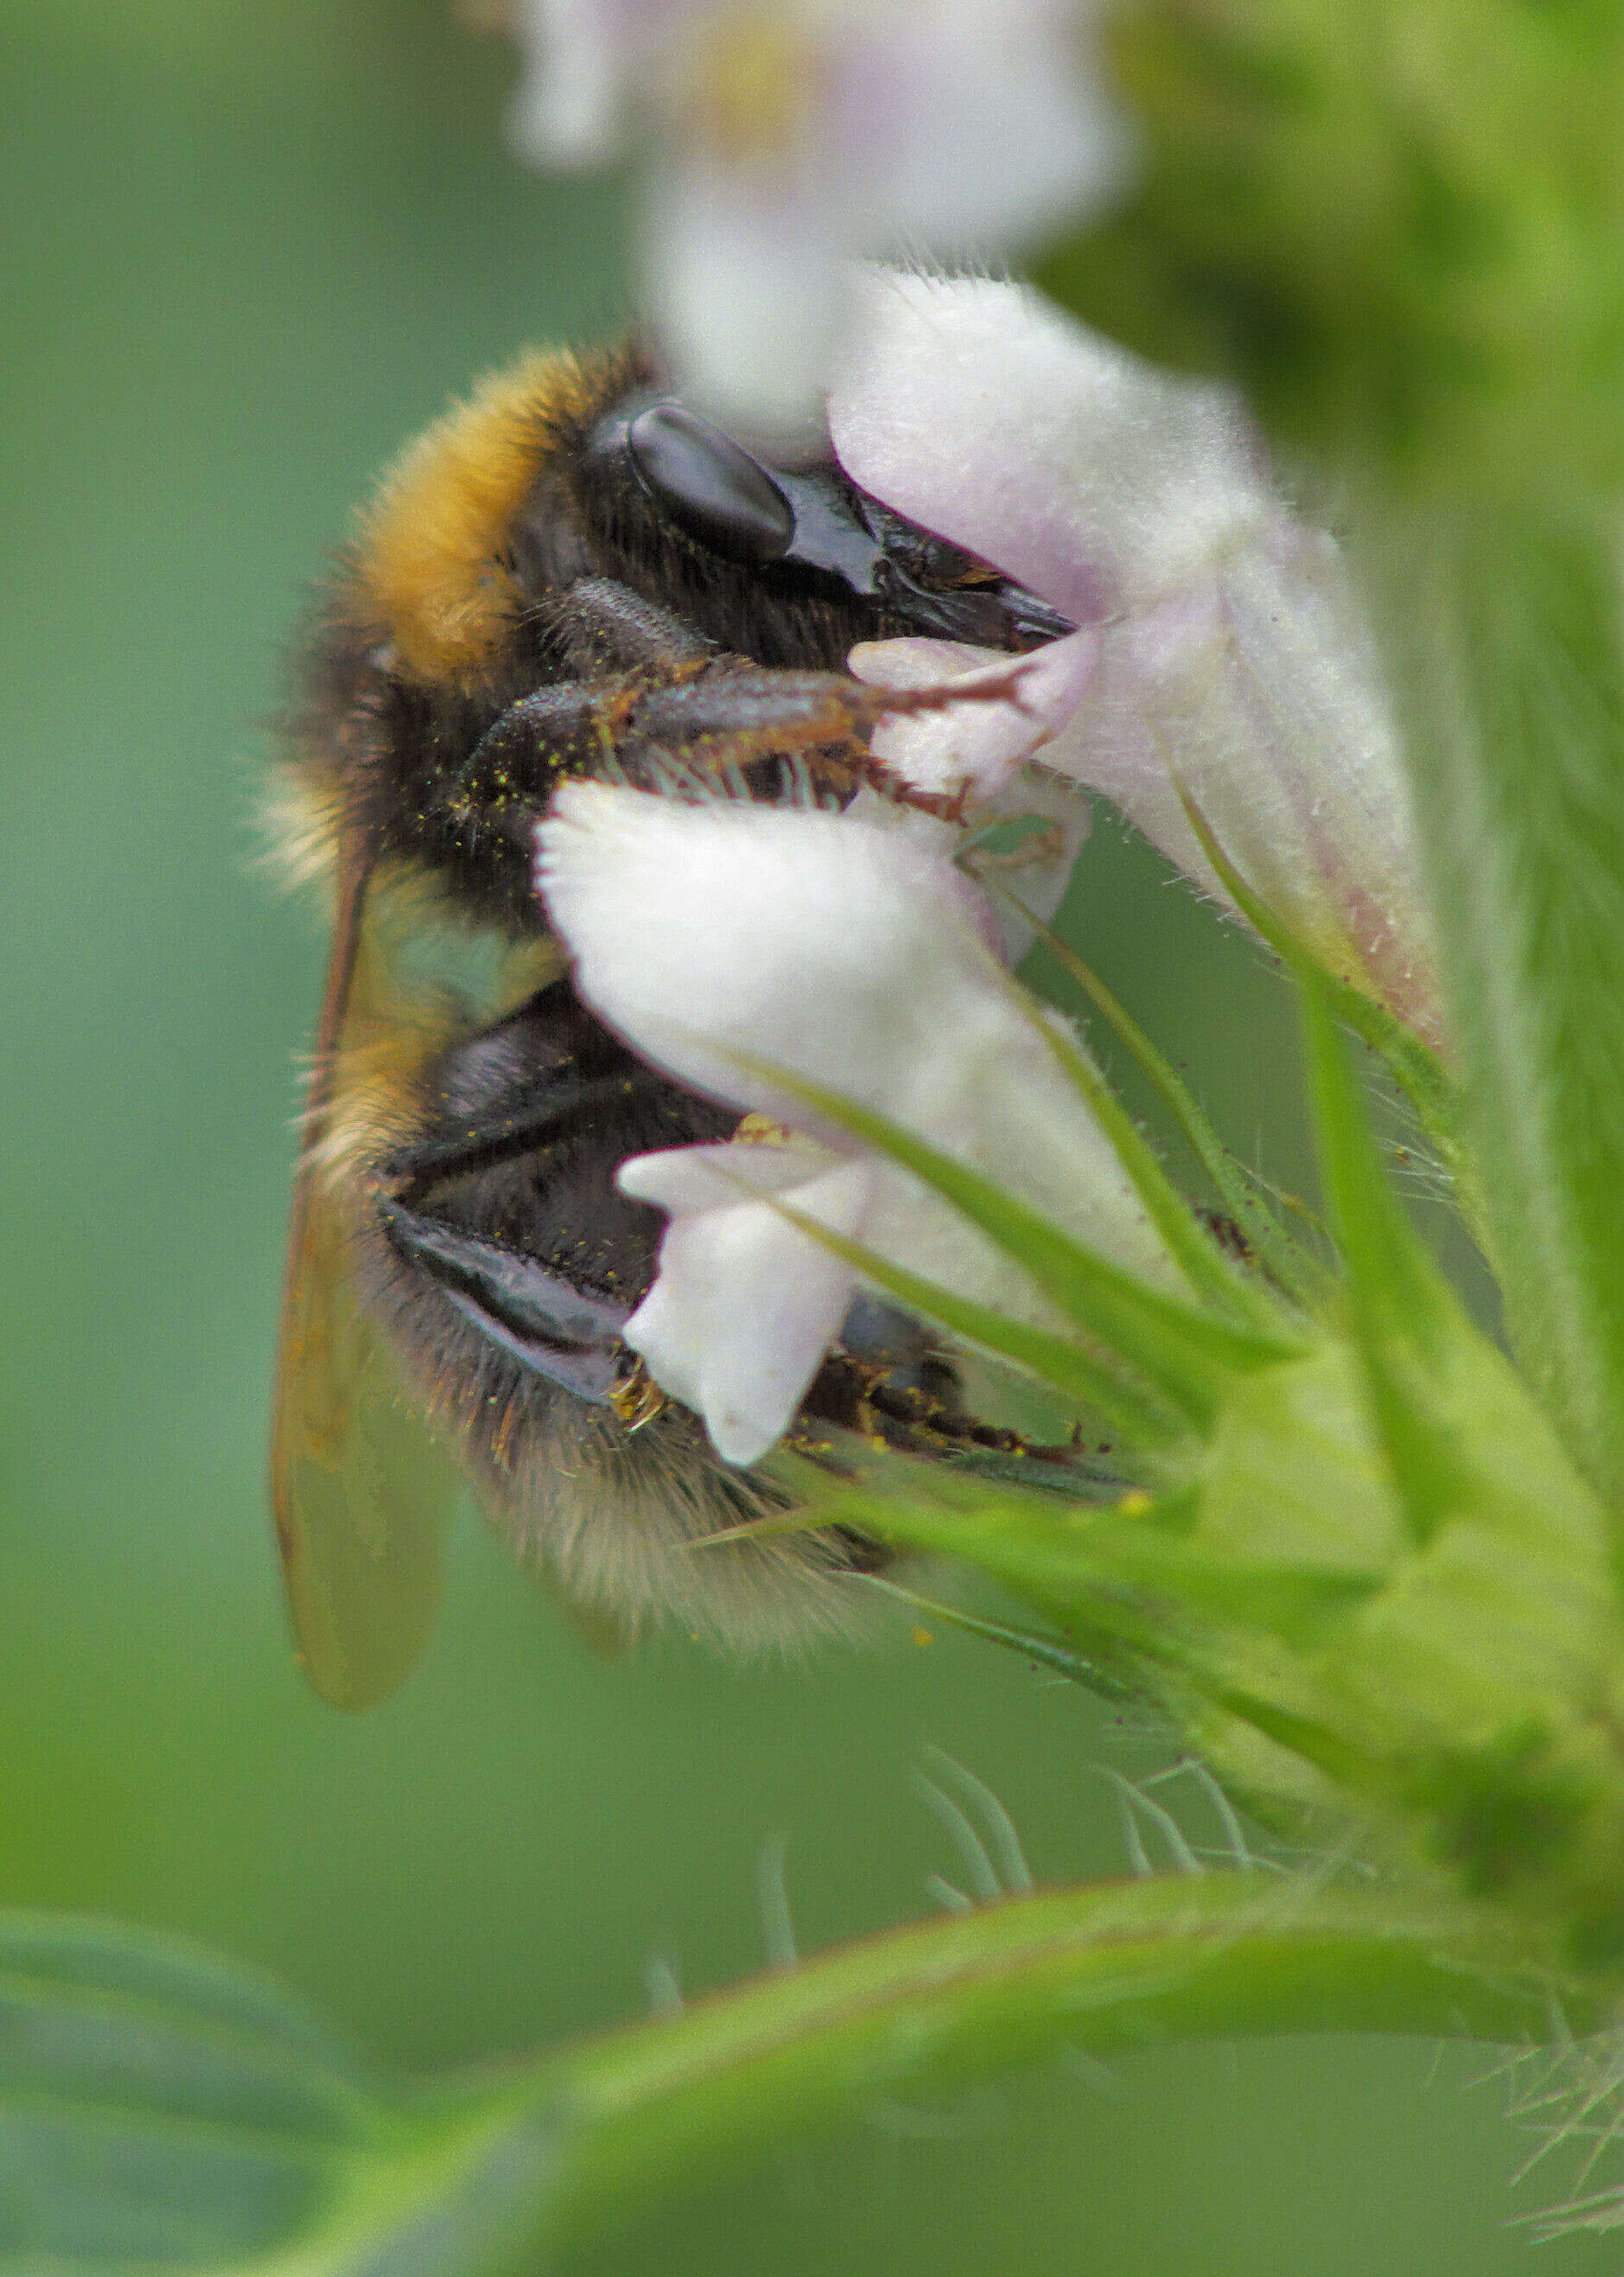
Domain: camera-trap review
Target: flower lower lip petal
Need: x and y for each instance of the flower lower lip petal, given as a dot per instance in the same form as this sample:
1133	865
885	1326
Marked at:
745	1304
759	952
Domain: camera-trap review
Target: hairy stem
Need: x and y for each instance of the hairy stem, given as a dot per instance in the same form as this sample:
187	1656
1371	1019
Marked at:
1100	1967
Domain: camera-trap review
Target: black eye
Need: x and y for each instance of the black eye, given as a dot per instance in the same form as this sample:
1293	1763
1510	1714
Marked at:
707	485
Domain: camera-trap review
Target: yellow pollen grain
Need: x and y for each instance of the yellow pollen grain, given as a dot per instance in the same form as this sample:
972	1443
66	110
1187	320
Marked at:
1134	1502
761	1131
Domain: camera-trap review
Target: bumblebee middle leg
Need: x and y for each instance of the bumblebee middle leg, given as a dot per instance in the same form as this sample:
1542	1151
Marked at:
603	629
503	1205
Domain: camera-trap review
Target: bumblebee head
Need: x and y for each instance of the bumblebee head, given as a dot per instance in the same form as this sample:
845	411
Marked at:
564	468
661	480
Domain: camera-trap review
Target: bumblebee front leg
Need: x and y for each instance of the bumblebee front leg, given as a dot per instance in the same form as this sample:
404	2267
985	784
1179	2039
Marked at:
696	727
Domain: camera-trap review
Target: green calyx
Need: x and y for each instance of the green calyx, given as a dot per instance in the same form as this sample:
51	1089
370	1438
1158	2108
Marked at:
1363	1576
1454	1695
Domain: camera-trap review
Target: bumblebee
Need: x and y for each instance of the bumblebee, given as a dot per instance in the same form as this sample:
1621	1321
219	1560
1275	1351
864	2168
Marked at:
571	574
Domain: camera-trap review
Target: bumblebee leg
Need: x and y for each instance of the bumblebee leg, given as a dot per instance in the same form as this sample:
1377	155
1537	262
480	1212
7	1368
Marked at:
733	715
758	732
718	712
505	1200
607	629
543	1320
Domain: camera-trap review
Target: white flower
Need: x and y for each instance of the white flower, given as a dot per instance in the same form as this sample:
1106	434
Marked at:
1219	649
716	938
778	137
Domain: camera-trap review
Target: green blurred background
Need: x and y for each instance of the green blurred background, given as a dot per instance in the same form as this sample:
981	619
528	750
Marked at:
248	252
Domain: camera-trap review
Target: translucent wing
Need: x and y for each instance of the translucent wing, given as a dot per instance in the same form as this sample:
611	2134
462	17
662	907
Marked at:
358	1491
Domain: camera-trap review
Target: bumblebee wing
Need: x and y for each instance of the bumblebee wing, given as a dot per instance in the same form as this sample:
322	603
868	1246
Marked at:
359	1492
357	1489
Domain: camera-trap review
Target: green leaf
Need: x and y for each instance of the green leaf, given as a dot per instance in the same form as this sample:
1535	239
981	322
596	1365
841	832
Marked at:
1210	1272
1504	626
1400	1308
1033	1645
918	2010
1394	1280
1418	1073
1187	1354
162	2110
1131	1575
1286	1266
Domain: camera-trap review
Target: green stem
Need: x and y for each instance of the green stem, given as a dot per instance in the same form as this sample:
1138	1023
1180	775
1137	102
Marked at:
1100	1967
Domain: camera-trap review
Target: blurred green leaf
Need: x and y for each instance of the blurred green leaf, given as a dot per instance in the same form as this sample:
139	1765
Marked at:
1398	224
160	2109
157	2106
1503	625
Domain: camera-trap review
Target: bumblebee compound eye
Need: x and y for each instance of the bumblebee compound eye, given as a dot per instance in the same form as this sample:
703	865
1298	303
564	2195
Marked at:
707	485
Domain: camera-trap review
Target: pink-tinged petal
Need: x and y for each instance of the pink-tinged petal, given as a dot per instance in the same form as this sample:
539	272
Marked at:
981	411
1257	691
745	1303
976	746
1230	657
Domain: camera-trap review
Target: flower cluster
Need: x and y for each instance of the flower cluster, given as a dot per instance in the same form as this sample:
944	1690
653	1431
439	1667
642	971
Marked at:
780	137
1218	665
